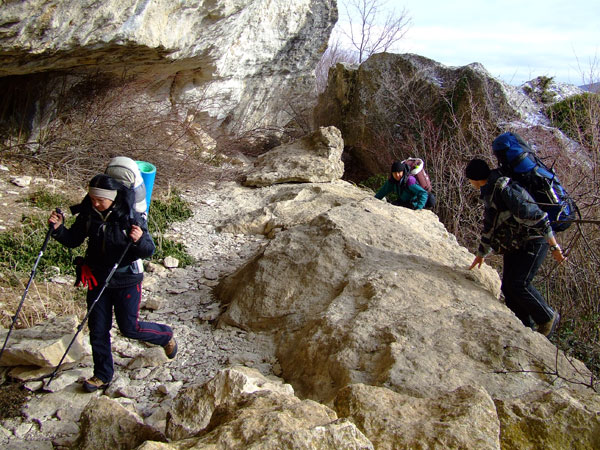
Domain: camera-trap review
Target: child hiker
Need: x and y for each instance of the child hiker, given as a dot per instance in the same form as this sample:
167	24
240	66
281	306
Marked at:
106	217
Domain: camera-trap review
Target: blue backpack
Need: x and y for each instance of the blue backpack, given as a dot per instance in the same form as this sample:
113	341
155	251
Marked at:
519	162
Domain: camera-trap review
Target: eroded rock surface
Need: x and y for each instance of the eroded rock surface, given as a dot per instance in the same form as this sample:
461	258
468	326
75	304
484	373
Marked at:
315	158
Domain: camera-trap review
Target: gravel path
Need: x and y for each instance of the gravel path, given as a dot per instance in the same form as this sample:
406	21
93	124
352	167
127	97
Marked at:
180	297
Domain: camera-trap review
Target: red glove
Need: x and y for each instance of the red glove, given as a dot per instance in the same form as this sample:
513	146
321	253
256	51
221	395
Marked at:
85	277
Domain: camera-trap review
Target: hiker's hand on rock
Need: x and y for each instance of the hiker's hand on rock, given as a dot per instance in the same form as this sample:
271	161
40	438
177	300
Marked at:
558	256
135	233
55	220
478	261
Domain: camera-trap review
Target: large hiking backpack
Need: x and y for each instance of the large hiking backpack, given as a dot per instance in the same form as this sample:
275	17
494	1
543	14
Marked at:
518	161
126	171
417	170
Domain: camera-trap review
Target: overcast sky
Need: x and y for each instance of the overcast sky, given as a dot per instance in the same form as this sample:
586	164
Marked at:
514	40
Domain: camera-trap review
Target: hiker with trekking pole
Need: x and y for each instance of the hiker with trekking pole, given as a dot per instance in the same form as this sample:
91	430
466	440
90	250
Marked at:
516	227
111	270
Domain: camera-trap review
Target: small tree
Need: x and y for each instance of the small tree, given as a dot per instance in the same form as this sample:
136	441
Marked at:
334	54
373	27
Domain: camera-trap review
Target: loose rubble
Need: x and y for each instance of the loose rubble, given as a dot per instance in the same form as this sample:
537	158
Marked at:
145	381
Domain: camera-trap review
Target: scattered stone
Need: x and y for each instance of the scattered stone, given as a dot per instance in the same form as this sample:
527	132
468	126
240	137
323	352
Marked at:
210	274
67	378
34	385
151	357
43	345
211	314
154	303
22	182
107	424
170	389
170	262
153	268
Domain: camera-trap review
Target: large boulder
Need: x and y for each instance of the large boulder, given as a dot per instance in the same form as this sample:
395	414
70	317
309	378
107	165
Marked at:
107	424
555	419
43	345
315	158
240	408
194	406
373	294
464	418
234	60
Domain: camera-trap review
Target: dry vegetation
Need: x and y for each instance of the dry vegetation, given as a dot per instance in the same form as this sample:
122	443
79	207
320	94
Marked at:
96	118
104	118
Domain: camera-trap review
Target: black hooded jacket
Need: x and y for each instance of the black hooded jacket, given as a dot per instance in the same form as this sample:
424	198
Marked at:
107	234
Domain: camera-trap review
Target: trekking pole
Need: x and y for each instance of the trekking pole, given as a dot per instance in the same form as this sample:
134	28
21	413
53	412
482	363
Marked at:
16	316
80	327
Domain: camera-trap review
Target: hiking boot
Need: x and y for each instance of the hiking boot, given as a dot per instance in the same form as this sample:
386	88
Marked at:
547	329
93	384
171	348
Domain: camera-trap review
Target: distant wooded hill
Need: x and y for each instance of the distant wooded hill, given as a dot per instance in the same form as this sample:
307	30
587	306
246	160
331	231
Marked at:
593	87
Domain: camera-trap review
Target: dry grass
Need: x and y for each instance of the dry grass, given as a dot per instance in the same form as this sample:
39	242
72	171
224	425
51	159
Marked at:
44	299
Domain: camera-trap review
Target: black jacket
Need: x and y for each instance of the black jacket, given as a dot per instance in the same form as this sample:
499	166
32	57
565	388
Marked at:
107	240
511	216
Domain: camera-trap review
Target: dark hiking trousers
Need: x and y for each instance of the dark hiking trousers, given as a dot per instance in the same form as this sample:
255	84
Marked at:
520	267
126	303
430	204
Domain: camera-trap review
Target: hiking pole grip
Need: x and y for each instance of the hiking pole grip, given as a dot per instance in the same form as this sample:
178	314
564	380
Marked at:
33	271
87	315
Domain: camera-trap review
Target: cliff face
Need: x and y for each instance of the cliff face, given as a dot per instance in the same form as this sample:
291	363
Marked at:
237	59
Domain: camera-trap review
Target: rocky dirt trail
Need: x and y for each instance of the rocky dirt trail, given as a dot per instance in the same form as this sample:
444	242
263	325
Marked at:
144	379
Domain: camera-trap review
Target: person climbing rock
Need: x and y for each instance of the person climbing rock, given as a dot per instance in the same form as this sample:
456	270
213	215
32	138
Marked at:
106	217
515	226
405	186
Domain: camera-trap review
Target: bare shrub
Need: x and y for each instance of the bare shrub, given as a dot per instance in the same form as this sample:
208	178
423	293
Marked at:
373	27
575	287
97	117
335	53
409	119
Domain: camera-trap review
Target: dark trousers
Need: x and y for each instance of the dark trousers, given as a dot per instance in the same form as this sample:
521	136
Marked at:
430	204
126	303
520	267
431	201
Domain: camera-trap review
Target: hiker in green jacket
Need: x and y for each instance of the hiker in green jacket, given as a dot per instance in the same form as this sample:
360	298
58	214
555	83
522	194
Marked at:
405	186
